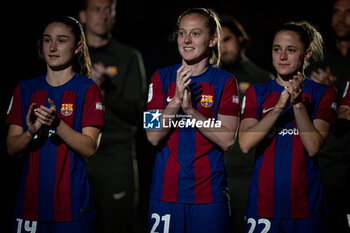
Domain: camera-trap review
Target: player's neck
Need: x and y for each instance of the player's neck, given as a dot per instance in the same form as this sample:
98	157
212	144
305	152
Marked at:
198	68
58	78
284	80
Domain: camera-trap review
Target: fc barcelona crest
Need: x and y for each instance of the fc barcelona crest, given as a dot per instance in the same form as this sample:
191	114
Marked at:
207	101
66	109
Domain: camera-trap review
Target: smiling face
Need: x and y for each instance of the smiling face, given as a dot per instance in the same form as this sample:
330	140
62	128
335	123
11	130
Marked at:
194	40
288	54
59	46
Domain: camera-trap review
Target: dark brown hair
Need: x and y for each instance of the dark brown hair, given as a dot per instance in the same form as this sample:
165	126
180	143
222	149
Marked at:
82	62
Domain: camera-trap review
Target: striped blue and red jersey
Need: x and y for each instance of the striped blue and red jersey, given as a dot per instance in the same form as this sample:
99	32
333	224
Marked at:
286	182
346	94
189	168
54	186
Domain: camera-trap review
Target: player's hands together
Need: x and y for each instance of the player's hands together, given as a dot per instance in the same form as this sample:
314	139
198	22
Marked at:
187	101
33	123
48	116
283	101
183	75
295	89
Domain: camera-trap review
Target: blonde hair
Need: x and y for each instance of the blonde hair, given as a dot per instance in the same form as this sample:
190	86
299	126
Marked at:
213	23
309	36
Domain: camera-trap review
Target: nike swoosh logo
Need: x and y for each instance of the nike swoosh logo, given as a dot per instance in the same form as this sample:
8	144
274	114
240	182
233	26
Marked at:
265	110
168	99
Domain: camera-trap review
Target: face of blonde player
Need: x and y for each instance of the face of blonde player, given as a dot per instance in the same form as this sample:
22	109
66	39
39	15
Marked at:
58	46
194	39
341	19
229	48
287	54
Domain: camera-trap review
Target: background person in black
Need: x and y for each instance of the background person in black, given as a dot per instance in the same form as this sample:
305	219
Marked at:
235	42
119	70
344	126
335	154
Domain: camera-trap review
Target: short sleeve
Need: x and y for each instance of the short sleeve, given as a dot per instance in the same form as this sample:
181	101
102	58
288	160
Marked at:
94	107
14	112
249	104
346	95
229	102
155	98
327	108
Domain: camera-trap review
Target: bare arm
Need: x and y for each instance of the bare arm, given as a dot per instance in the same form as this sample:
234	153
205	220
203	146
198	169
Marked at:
312	133
85	143
252	132
17	140
155	136
224	136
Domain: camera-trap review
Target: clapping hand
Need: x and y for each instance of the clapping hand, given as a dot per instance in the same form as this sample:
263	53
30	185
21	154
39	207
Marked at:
295	89
47	116
183	80
33	123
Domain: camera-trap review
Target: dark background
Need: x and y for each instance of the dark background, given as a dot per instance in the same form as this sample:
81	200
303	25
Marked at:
145	25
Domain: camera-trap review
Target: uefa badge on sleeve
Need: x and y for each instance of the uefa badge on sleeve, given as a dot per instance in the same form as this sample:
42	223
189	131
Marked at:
151	119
